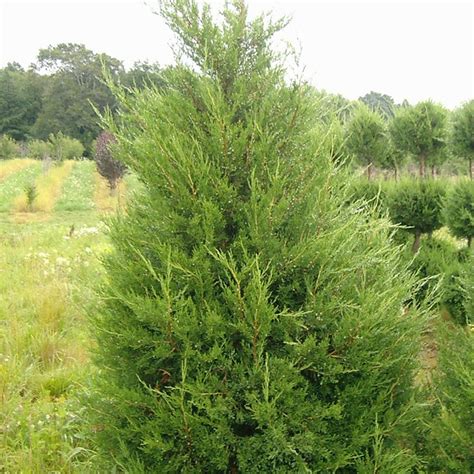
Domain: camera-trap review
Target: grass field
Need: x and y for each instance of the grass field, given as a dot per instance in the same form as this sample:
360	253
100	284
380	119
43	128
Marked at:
49	269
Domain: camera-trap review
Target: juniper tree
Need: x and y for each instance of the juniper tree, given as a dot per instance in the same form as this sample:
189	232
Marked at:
462	133
459	210
420	131
366	138
252	321
417	205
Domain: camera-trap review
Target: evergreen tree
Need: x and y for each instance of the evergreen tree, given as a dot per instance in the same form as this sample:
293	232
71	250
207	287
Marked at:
251	320
462	133
417	205
420	131
450	440
459	210
366	138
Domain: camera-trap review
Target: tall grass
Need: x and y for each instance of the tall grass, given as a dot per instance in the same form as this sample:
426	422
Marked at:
105	200
13	185
46	286
10	167
49	186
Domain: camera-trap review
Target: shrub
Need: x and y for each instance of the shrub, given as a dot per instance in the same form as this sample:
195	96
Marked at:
108	167
452	419
65	148
366	138
31	193
39	149
417	204
8	148
462	133
251	321
368	194
459	210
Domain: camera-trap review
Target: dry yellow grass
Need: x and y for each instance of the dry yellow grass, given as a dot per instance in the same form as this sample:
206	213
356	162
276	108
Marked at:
106	201
13	166
48	187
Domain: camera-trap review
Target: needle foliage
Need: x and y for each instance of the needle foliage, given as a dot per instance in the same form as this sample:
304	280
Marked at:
252	321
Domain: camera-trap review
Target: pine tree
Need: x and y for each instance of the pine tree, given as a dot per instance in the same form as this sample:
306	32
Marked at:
251	320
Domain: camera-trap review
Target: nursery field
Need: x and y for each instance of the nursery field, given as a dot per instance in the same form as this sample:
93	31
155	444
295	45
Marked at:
50	267
53	226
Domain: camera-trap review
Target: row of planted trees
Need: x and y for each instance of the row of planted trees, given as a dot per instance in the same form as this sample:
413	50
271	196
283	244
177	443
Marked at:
426	133
58	147
421	207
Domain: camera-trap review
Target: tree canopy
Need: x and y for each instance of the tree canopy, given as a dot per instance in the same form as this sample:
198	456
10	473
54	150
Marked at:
420	131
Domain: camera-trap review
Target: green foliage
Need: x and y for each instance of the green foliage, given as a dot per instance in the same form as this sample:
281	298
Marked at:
450	441
65	148
39	149
417	205
8	148
58	147
368	194
459	210
462	132
366	138
31	194
251	321
468	284
420	131
381	103
75	82
20	100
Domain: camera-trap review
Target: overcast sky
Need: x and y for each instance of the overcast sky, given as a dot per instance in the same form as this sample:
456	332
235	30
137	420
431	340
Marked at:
408	49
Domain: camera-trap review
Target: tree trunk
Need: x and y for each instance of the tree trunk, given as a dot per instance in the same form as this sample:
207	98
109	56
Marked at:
422	165
469	241
369	171
396	173
433	171
416	242
470	168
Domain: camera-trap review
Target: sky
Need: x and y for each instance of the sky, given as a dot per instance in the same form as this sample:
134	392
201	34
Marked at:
408	49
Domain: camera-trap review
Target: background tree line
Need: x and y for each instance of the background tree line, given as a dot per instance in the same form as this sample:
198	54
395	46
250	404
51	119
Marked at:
59	92
58	95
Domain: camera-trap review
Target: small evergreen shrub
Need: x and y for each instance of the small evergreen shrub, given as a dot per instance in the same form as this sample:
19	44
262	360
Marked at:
450	441
441	267
467	278
417	204
459	210
367	194
31	192
251	320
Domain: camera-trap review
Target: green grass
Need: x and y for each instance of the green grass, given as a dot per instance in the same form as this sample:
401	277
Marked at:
49	271
47	285
78	189
14	184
